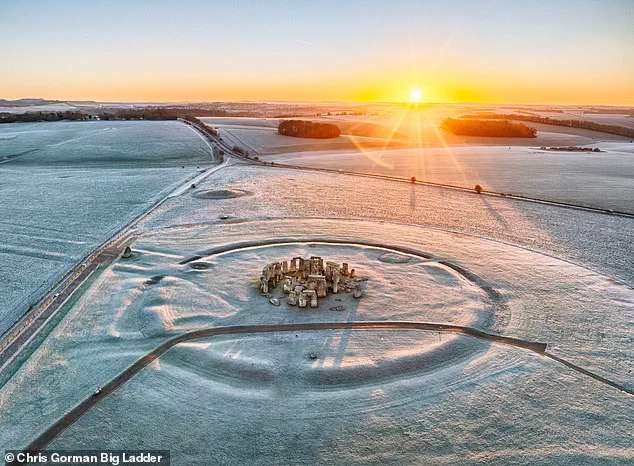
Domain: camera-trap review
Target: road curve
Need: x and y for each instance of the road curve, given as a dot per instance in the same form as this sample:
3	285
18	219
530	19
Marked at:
41	442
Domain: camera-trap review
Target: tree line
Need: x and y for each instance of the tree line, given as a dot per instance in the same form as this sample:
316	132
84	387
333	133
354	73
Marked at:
43	116
308	129
143	113
582	124
490	128
197	122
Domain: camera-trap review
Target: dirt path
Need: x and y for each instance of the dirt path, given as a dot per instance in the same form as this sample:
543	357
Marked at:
41	442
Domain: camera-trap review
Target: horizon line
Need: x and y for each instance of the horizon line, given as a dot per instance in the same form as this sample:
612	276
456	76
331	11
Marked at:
357	102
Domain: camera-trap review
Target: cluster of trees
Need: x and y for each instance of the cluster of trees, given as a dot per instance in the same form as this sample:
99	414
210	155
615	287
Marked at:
201	125
169	113
490	128
345	113
583	124
533	110
42	116
197	122
629	111
308	129
149	113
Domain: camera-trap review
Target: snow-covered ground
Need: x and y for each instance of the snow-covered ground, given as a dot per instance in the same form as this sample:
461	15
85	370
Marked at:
514	268
260	400
66	186
603	179
509	165
600	242
138	303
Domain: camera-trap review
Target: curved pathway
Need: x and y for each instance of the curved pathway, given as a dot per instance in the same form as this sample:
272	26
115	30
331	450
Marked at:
41	442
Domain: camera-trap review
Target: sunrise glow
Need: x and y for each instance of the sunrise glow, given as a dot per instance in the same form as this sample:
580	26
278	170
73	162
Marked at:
415	95
319	51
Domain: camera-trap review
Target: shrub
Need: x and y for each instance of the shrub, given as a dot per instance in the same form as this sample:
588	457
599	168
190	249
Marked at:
308	129
210	130
413	179
478	188
240	151
490	128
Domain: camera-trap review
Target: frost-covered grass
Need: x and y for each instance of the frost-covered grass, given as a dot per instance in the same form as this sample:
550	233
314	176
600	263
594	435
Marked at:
507	165
261	400
73	186
600	241
266	141
369	396
102	144
138	303
604	180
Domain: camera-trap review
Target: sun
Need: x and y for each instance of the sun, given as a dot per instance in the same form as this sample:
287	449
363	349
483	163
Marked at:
415	95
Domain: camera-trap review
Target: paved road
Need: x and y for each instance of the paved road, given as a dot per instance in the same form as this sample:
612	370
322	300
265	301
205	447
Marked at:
14	342
30	323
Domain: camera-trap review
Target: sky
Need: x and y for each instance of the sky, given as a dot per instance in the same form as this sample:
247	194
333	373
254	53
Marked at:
506	51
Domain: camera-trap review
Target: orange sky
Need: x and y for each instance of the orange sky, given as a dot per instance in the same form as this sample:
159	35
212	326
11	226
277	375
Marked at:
555	52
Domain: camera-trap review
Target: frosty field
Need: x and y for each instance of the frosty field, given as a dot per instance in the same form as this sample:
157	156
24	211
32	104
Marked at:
420	149
65	187
495	405
510	268
604	180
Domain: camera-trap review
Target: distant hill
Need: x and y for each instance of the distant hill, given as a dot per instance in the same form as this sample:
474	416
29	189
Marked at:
36	102
27	102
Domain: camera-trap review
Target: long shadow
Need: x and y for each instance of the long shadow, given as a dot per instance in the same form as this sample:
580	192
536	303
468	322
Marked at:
494	213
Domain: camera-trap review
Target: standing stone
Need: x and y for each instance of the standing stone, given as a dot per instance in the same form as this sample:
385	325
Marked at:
312	295
288	284
301	299
322	286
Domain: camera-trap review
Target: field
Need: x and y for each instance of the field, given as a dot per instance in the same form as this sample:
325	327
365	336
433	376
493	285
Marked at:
420	149
67	186
526	272
604	180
